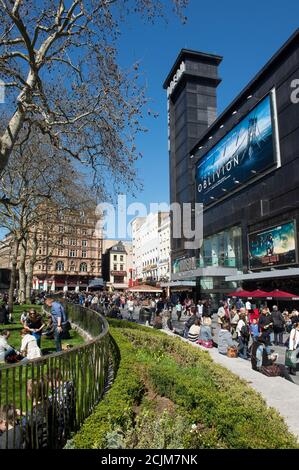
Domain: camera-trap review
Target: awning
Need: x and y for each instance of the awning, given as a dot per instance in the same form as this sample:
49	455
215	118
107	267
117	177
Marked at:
240	293
276	273
145	288
178	284
258	294
280	294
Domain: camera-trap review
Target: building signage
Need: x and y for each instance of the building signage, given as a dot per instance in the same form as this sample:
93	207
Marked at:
274	246
249	150
118	273
176	78
184	264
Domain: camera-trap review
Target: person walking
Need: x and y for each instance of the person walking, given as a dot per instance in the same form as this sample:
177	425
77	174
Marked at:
294	345
278	325
130	306
179	309
243	336
266	327
59	319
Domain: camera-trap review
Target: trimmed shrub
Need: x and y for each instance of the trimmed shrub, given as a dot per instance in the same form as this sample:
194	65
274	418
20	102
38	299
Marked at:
213	408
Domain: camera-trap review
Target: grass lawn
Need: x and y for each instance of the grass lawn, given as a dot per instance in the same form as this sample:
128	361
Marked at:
47	345
12	380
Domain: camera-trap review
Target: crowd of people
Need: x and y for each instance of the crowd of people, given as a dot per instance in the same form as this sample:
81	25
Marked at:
52	325
247	332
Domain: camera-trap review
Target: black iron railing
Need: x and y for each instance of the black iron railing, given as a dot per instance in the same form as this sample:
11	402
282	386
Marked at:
44	401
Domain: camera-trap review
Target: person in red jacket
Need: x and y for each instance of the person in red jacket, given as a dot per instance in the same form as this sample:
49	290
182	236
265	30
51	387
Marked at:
254	315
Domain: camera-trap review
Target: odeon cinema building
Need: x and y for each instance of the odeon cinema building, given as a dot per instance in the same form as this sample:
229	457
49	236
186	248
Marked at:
243	167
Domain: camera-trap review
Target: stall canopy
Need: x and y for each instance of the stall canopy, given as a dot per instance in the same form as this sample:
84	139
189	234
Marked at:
240	293
145	288
280	294
258	294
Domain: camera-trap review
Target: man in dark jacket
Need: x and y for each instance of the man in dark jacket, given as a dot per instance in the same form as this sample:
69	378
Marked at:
190	321
261	362
206	311
278	326
266	327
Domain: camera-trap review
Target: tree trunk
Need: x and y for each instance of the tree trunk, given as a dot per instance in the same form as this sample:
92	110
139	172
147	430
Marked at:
13	277
22	271
31	265
10	135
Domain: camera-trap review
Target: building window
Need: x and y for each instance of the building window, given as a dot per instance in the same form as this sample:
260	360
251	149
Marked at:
84	242
121	257
61	228
121	267
83	267
60	266
84	231
73	242
114	257
223	249
115	267
84	254
72	253
60	252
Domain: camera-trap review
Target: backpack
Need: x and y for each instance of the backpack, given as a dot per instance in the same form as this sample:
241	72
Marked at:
245	331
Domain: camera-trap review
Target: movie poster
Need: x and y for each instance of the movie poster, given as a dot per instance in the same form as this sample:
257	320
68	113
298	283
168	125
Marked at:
273	247
244	153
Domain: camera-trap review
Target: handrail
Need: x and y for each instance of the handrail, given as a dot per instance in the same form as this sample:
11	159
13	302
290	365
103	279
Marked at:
47	399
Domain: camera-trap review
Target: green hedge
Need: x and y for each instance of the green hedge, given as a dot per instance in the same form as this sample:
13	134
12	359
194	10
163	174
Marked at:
212	407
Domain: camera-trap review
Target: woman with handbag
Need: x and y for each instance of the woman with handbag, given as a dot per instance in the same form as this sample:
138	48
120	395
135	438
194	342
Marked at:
225	340
293	352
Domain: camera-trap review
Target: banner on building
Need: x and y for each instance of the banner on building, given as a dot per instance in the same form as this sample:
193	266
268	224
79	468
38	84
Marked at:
249	150
275	246
183	264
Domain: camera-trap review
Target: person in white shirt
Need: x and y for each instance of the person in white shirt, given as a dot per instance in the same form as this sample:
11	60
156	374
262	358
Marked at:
193	334
248	305
29	347
199	308
5	349
178	309
243	336
294	344
130	305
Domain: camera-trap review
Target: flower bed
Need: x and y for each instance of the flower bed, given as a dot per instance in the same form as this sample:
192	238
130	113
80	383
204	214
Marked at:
170	395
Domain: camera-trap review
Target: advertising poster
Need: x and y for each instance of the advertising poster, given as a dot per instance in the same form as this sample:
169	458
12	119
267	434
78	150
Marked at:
243	154
275	246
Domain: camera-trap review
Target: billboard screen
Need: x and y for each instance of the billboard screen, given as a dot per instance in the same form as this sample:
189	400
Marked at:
241	155
275	246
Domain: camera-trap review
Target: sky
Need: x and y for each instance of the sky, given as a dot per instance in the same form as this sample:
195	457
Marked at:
246	34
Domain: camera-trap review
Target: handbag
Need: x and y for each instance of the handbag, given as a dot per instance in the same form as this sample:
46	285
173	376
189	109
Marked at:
232	352
206	344
291	358
271	371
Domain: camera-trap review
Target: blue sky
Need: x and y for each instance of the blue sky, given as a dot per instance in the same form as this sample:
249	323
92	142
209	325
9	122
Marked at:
245	34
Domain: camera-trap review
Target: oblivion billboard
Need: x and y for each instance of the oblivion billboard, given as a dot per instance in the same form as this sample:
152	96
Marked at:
247	151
